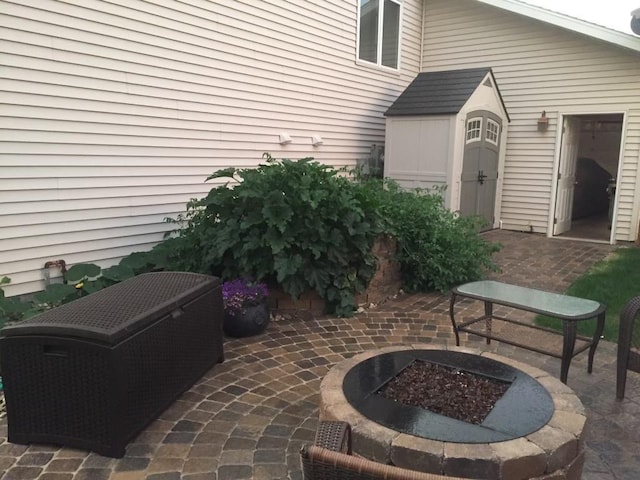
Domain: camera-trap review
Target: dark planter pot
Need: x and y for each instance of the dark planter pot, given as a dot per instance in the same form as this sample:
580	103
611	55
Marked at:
252	321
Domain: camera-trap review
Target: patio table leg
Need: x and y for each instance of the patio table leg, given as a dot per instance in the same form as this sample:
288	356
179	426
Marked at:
453	321
488	312
596	340
569	332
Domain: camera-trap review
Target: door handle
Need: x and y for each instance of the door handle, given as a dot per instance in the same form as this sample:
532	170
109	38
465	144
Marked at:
481	177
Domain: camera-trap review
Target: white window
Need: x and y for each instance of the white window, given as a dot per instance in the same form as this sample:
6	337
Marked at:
379	32
474	129
493	130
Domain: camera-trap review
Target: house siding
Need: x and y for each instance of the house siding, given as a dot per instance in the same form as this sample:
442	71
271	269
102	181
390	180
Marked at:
113	113
540	67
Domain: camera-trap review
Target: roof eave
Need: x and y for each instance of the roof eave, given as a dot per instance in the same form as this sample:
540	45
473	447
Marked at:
569	23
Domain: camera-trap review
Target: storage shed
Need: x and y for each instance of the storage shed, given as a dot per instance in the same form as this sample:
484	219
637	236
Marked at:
448	129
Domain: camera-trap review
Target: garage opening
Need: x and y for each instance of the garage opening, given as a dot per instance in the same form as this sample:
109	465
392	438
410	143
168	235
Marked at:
589	157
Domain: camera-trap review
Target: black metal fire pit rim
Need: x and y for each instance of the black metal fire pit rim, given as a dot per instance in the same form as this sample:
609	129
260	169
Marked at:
525	407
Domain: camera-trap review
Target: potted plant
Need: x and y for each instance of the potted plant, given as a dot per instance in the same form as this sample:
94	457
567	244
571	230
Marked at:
246	311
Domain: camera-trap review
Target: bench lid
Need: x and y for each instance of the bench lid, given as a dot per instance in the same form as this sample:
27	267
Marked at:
114	313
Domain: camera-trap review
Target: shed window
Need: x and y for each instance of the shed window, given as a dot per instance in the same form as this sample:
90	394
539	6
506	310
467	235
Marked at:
379	32
474	129
493	129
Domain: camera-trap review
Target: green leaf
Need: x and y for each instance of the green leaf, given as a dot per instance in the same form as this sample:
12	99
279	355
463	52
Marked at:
277	241
286	266
250	219
118	273
276	211
318	279
92	286
13	305
82	271
222	173
35	310
161	257
55	293
135	260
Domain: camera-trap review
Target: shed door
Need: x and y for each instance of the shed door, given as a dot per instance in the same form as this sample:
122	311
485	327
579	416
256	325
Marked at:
566	174
479	178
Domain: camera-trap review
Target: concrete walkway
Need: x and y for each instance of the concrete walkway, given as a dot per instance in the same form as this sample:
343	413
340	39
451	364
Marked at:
248	417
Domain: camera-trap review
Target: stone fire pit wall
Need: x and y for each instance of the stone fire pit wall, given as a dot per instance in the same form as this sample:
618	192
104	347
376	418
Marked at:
555	452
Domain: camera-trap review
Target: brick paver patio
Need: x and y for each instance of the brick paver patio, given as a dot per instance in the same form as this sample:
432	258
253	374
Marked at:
248	417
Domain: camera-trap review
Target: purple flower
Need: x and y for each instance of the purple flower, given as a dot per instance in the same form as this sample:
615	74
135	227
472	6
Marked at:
242	292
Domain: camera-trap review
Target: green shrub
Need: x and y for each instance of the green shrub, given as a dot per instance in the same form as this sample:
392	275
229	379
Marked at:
437	248
297	223
12	309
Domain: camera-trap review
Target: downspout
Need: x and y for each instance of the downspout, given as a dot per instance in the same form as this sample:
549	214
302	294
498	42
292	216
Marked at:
424	16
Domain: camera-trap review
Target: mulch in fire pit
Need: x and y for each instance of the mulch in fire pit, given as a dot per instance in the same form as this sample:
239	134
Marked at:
444	390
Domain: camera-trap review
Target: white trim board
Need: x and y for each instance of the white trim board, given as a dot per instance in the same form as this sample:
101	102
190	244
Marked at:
569	23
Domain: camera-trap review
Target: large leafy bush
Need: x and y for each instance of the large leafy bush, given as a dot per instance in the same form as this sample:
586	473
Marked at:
297	223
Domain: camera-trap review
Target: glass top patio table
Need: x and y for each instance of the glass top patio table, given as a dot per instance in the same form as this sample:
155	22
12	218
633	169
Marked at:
547	303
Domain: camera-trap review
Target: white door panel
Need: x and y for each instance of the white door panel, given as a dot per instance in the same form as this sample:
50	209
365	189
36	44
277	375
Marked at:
566	175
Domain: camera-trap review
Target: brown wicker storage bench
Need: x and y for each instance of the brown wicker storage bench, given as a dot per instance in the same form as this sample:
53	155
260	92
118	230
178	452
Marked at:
93	373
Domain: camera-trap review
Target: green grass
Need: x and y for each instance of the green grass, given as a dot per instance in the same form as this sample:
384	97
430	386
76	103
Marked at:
612	281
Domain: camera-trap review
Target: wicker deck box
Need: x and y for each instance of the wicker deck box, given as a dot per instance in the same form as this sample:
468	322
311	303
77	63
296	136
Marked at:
93	373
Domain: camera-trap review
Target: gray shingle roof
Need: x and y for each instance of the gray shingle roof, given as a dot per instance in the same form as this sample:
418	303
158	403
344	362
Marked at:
439	93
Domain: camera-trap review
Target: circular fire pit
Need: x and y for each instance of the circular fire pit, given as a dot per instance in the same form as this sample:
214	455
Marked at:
535	431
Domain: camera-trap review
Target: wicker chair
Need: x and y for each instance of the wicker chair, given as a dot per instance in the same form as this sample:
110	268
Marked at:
330	459
627	359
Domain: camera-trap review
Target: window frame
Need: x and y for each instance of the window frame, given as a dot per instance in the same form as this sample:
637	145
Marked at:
380	30
488	130
479	130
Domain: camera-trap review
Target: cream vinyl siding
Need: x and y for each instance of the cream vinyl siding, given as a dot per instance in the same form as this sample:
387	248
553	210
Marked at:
113	113
540	67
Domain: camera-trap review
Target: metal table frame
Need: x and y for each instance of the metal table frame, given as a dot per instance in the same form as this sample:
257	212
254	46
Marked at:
564	307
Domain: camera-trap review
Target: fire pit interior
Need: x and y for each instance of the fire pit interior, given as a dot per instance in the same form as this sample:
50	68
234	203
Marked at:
452	392
524	406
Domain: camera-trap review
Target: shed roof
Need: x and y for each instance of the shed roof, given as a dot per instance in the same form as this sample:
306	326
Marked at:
440	93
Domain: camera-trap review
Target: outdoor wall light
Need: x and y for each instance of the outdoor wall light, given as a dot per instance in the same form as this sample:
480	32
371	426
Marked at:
285	138
316	140
543	122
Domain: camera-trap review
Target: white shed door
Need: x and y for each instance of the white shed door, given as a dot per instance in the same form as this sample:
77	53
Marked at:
566	174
